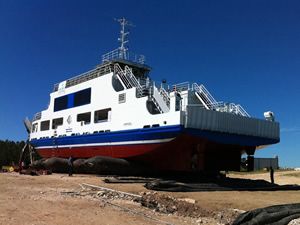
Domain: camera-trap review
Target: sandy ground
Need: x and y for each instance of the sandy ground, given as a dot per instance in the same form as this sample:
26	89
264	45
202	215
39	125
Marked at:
38	200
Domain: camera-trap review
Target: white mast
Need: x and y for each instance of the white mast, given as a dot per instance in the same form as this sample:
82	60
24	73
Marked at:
122	51
123	37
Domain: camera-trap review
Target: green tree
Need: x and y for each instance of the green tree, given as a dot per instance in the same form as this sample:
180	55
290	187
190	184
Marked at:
10	152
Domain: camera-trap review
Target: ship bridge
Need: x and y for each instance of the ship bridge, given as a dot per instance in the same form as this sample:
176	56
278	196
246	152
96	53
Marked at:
109	60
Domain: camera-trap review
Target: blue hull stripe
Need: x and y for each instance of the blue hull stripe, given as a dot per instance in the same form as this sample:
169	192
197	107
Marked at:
116	136
165	132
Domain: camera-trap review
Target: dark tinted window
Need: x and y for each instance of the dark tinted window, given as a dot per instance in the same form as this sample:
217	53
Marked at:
57	122
61	103
86	117
72	100
82	97
101	115
45	125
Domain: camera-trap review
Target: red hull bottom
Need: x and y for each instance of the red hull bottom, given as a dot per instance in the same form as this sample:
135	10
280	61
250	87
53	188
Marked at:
184	153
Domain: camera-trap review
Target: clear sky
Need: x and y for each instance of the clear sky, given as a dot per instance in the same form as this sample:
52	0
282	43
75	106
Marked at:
246	52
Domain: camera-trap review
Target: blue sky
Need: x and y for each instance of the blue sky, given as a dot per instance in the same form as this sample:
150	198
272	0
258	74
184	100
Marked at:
245	52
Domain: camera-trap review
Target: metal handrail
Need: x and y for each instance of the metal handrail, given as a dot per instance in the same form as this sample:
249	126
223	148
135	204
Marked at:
118	54
111	55
89	75
207	93
37	116
219	106
230	108
225	107
205	96
135	82
128	78
181	86
165	95
120	73
242	111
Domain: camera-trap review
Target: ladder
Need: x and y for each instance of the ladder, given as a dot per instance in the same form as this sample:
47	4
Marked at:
127	79
134	81
204	96
161	101
122	77
210	103
165	95
160	97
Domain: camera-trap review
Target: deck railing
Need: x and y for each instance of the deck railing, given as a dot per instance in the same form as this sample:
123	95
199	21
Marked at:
226	107
118	54
181	86
37	116
89	75
208	100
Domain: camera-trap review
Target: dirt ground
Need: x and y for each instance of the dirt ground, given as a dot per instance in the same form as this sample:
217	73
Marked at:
39	200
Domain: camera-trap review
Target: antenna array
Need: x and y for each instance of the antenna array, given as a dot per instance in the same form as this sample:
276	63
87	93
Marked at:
123	39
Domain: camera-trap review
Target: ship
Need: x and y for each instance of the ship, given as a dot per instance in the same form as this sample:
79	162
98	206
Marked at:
116	110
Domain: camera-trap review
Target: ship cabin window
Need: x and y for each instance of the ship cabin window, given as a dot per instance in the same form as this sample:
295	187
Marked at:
34	128
57	122
102	115
85	118
79	98
82	97
45	125
61	103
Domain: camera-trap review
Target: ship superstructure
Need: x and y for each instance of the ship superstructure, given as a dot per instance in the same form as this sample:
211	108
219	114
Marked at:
116	110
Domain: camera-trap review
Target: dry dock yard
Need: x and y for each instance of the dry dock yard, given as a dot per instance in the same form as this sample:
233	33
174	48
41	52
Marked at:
60	199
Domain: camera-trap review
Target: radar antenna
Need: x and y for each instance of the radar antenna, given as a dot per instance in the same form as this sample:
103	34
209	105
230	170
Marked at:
123	37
